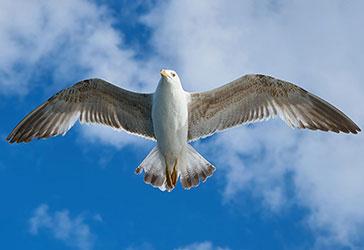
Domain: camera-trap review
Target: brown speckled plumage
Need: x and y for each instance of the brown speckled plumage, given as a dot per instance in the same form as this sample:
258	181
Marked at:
258	97
90	101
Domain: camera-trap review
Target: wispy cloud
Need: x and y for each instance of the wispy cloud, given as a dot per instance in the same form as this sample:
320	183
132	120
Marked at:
74	232
315	44
68	36
71	40
43	32
206	245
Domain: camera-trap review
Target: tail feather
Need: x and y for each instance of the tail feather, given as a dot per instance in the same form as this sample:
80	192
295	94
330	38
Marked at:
194	169
154	167
191	167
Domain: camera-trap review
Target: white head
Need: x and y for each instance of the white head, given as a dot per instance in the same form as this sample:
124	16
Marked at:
170	76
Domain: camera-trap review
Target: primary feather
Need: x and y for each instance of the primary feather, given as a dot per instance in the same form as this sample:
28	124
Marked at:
254	98
90	101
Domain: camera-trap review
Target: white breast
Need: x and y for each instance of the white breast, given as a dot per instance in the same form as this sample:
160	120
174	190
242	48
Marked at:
170	119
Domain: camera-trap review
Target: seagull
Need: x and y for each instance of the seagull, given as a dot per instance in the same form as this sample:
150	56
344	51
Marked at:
174	117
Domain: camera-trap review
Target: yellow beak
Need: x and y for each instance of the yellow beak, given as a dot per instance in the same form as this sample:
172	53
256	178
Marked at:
164	73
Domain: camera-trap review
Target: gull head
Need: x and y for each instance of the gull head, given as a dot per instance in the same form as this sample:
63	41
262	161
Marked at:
170	76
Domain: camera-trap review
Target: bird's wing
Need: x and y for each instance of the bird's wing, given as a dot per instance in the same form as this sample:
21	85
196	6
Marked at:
90	101
254	98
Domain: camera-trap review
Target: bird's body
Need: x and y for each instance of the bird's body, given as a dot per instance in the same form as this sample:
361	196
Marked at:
170	124
170	119
174	117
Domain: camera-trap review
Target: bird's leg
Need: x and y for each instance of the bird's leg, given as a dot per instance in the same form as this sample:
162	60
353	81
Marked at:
171	177
174	174
138	169
168	177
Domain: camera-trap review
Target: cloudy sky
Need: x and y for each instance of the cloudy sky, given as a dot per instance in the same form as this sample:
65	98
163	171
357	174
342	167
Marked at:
274	188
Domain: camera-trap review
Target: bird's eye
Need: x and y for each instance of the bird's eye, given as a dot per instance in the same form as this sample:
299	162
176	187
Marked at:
173	74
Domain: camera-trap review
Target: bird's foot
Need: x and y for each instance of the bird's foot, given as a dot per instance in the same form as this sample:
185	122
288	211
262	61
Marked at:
171	178
138	170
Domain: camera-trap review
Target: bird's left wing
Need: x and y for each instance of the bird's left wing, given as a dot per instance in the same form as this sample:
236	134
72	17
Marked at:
258	97
90	101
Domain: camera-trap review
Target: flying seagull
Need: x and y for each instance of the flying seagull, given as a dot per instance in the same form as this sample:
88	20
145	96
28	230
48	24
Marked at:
174	117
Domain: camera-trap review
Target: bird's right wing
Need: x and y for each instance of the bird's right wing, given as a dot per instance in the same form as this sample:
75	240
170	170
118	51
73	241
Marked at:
258	97
90	101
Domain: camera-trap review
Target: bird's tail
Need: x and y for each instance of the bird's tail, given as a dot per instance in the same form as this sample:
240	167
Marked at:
191	167
154	168
194	168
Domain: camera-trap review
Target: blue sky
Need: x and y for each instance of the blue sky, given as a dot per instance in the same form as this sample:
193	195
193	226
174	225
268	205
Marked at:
274	188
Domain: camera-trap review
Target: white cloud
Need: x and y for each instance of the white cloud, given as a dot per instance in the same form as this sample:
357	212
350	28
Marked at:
38	32
334	190
206	245
68	35
74	232
315	44
73	40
